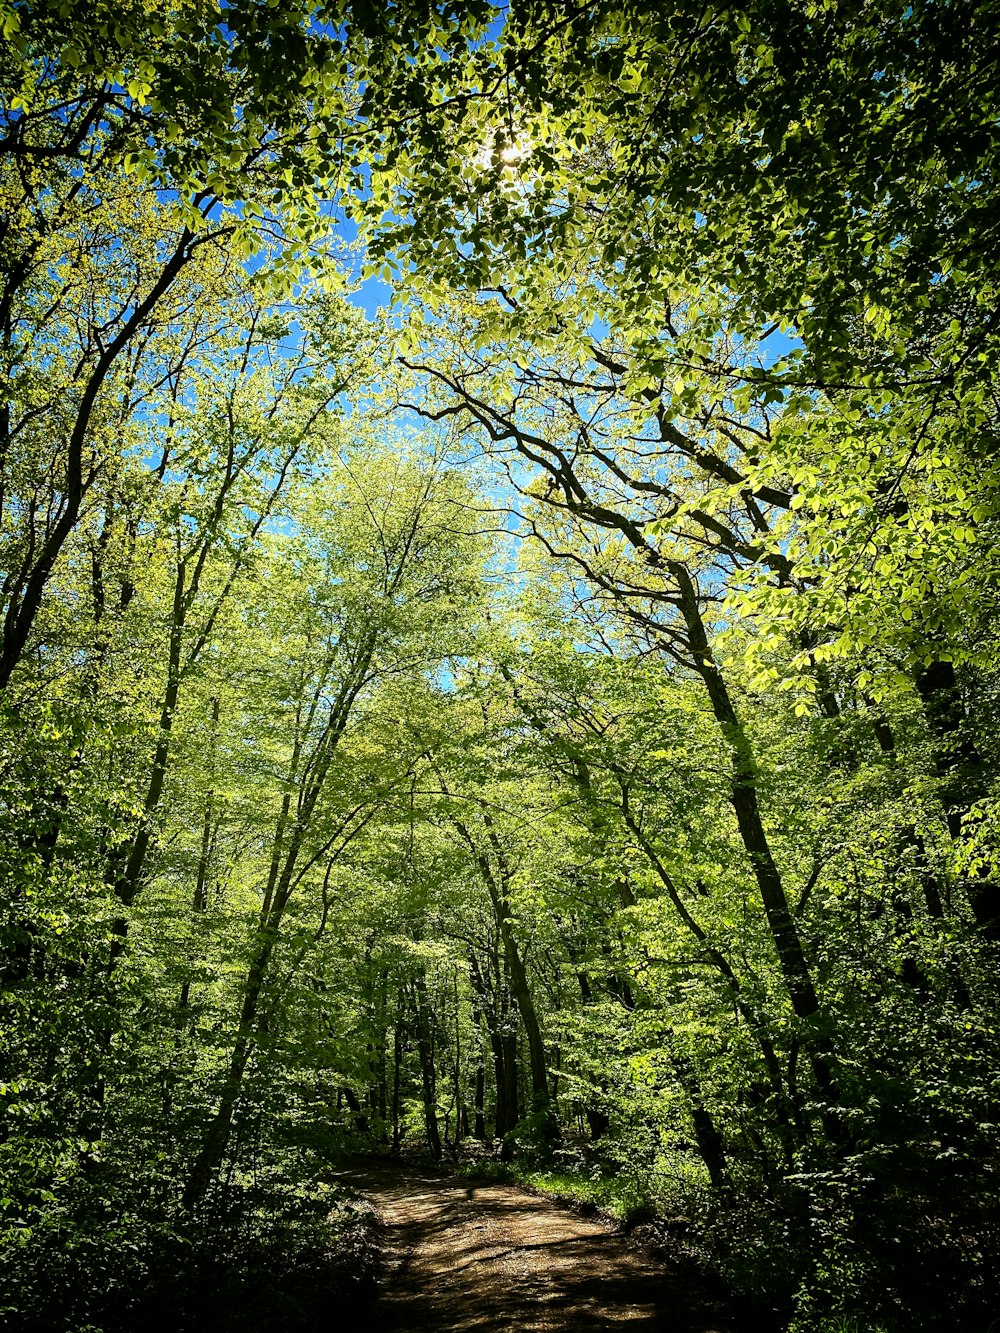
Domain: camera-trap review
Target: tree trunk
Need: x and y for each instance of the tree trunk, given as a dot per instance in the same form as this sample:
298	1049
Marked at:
424	1025
965	779
397	1062
497	886
504	1048
710	1142
199	903
743	795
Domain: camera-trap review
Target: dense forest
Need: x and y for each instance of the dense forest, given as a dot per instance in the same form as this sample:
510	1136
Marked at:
500	554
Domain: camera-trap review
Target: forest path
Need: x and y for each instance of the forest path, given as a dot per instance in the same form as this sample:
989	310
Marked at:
474	1258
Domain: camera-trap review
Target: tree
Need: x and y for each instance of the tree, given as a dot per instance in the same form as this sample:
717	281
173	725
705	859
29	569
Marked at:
601	768
376	592
194	115
783	209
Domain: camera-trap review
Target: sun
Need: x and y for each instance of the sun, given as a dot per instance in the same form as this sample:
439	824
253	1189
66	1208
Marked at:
504	148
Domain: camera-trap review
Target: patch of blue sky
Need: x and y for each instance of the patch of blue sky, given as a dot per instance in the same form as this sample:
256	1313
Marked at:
775	345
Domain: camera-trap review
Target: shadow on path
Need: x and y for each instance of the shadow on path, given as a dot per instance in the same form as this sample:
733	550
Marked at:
465	1258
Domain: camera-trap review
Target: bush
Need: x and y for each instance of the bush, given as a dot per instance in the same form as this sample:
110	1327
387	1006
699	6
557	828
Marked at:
252	1266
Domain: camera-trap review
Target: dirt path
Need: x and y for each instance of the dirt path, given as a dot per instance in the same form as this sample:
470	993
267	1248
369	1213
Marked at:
468	1258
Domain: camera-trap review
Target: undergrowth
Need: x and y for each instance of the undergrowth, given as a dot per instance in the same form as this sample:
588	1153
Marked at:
268	1259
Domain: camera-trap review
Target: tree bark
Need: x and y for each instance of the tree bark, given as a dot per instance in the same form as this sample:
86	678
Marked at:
743	795
424	1027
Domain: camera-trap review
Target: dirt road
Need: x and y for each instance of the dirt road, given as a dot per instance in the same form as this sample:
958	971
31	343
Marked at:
468	1258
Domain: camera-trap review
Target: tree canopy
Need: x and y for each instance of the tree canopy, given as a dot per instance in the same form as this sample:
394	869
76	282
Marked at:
548	725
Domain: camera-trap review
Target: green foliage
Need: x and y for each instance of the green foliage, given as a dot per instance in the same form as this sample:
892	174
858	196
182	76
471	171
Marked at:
603	779
626	1200
276	1258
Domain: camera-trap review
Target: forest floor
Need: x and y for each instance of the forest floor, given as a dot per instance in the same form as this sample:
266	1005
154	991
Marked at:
464	1257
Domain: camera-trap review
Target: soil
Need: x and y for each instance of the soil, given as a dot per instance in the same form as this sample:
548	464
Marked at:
463	1257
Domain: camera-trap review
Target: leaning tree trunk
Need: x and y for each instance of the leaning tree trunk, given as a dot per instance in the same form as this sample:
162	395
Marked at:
743	795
